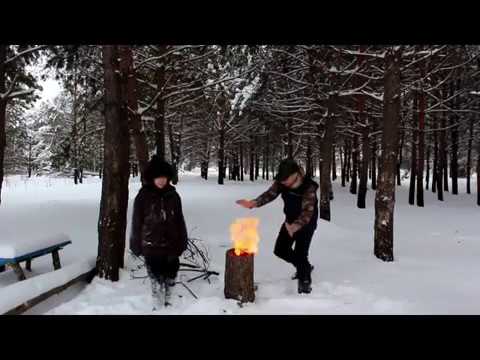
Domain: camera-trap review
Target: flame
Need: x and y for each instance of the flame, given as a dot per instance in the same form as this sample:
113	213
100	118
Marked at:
245	236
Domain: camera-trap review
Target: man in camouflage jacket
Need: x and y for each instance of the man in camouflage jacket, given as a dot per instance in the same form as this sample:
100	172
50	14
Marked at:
299	194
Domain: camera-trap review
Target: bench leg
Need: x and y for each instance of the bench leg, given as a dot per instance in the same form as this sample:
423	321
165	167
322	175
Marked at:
56	260
2	268
28	265
18	271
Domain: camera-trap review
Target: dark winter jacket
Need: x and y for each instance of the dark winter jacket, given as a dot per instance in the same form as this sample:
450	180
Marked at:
301	204
158	225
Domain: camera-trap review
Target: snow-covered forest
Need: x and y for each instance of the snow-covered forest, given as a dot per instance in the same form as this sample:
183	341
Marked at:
390	133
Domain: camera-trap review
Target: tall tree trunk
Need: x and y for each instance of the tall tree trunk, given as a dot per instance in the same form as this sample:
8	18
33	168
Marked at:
112	221
374	164
421	150
442	160
413	157
205	159
134	118
435	157
308	162
264	159
385	194
241	162
353	184
400	158
272	161
454	149
252	160
29	160
221	150
257	164
267	159
342	167
478	172
469	154
334	163
74	126
362	187
427	177
326	156
443	148
3	113
289	139
348	161
160	111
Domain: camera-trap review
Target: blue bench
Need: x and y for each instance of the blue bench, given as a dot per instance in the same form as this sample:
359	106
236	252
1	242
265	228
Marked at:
14	263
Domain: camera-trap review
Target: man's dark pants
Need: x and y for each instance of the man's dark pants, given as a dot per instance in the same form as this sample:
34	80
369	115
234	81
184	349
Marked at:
295	250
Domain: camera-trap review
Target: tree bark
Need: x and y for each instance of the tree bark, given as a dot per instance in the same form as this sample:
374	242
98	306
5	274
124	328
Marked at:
252	160
112	221
160	111
454	148
76	170
441	174
267	160
362	188
134	118
3	114
289	139
385	194
478	173
334	163
348	161
400	158
326	155
427	177
469	154
241	162
239	280
353	184
413	156
421	150
444	153
374	164
435	157
221	152
308	162
257	164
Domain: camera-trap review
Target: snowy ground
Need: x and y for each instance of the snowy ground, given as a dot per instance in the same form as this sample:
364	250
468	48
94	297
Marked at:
435	269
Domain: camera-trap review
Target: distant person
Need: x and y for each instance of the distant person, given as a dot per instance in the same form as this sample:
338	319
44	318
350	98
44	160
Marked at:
158	231
299	194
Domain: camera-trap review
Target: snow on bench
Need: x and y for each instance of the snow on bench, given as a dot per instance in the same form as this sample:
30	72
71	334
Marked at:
12	248
12	252
18	297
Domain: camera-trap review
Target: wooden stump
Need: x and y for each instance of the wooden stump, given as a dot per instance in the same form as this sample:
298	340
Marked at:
56	260
239	277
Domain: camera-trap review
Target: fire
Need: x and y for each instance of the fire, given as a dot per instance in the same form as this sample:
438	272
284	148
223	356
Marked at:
245	236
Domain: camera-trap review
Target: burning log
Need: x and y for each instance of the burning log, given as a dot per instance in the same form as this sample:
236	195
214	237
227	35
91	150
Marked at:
239	276
239	282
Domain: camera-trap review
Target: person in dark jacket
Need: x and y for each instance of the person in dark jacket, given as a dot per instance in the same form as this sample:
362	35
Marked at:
299	194
158	231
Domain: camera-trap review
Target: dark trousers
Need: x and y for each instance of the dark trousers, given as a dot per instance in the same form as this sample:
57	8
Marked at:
161	267
295	250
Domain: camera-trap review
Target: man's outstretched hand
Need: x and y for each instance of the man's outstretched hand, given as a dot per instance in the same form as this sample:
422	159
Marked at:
248	204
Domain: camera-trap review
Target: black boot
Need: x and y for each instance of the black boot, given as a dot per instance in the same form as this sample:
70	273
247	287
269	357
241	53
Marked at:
170	281
295	276
304	286
305	282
